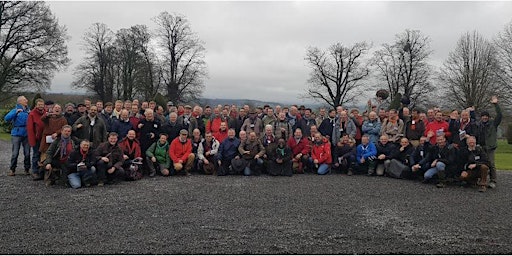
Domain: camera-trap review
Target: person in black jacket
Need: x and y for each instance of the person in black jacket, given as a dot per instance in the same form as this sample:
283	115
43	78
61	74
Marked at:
442	160
344	155
280	159
399	166
81	166
477	164
384	153
419	160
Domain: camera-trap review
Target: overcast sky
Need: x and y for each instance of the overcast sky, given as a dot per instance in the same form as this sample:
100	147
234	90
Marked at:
256	50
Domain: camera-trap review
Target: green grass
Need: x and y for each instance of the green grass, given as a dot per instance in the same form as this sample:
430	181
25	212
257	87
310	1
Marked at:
503	156
5	136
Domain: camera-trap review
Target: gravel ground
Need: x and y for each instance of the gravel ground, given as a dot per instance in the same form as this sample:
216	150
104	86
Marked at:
303	214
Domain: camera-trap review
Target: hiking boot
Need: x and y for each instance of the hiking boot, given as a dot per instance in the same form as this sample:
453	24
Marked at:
101	184
48	183
27	172
11	173
492	184
370	172
187	173
36	176
349	173
482	188
152	173
87	185
440	185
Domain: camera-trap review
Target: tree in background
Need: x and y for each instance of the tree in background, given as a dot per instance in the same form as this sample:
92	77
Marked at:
469	75
336	73
182	58
503	47
403	66
32	46
98	71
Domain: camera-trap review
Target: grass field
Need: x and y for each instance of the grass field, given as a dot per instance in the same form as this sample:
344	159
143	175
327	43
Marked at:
503	153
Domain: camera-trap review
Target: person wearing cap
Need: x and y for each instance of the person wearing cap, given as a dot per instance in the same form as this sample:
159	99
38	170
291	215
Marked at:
253	124
487	136
187	121
35	128
70	113
81	109
108	116
181	154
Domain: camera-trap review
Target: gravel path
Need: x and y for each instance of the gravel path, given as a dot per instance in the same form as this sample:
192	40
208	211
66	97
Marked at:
303	214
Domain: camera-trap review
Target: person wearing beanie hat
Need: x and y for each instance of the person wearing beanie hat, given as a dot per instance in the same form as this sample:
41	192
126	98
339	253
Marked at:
487	137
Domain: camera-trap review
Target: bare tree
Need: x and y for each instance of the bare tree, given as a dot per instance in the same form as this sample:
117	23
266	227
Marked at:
336	73
32	46
503	46
98	72
183	65
403	66
469	74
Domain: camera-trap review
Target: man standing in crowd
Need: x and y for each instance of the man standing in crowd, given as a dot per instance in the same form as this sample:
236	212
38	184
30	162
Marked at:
35	128
91	128
18	117
487	137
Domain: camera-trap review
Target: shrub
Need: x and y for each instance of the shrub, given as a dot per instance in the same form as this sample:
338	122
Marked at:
5	126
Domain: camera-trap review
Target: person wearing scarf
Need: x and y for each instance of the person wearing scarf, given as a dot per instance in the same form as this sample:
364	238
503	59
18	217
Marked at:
157	156
131	150
81	166
58	154
280	159
110	161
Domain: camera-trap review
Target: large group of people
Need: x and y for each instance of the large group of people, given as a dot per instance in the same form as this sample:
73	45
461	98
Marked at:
93	144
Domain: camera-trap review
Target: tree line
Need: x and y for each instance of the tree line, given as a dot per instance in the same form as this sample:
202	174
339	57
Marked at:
168	62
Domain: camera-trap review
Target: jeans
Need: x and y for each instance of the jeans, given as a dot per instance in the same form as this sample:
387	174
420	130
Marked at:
434	170
247	169
75	178
17	142
323	169
36	157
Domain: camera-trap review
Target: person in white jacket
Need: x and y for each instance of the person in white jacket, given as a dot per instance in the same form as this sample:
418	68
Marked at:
206	153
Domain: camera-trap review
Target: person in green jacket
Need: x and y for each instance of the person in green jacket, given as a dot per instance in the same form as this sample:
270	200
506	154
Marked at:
157	156
487	137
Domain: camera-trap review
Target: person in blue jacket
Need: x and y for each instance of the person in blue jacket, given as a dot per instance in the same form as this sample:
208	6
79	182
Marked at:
19	137
366	155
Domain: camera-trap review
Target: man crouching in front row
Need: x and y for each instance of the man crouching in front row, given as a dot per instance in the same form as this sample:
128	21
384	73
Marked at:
476	168
110	161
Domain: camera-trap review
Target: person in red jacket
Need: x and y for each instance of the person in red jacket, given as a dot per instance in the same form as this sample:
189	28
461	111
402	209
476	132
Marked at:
181	154
222	133
35	128
300	150
320	154
436	128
